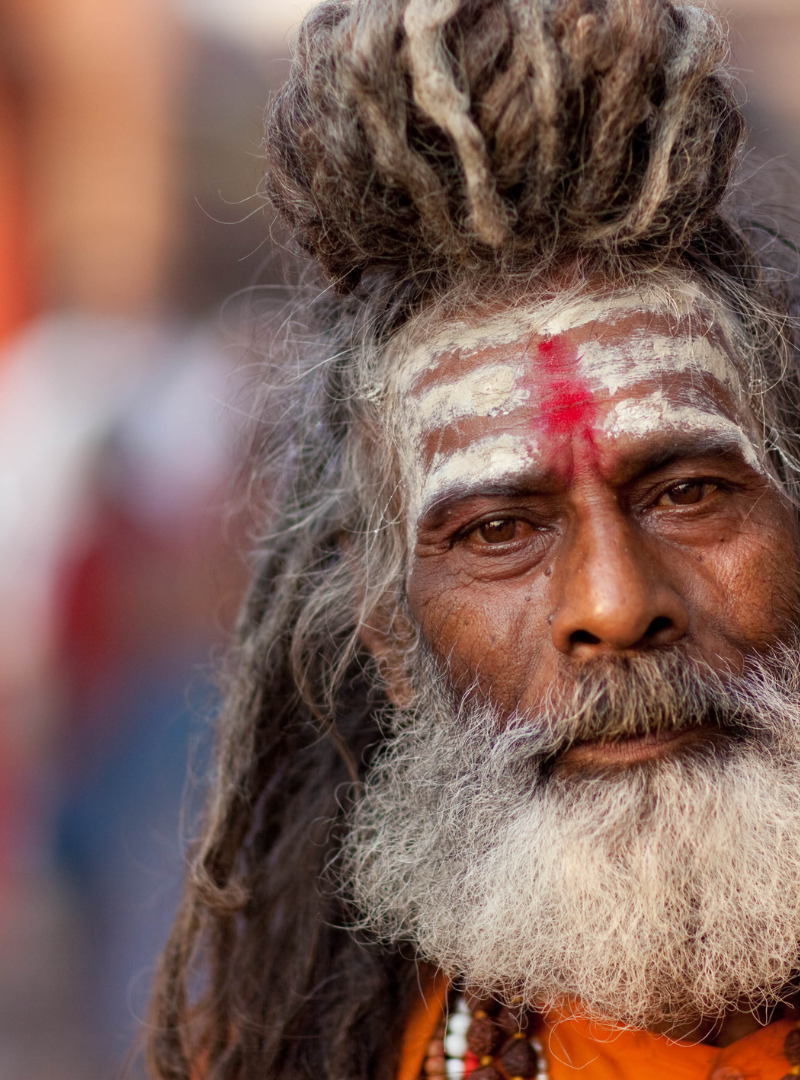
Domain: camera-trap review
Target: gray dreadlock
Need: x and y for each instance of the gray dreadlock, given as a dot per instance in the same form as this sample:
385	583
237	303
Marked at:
433	136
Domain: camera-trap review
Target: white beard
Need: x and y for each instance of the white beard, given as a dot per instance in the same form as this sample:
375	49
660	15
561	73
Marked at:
655	893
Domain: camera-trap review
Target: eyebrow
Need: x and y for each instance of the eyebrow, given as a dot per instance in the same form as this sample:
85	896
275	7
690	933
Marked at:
528	482
720	445
531	481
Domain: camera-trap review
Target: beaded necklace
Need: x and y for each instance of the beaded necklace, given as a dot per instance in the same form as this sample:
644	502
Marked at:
489	1043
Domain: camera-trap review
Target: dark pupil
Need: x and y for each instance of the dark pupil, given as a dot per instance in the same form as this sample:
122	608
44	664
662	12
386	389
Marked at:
497	532
687	493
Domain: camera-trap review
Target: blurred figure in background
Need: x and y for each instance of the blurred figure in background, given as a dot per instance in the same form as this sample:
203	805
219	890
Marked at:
88	95
115	449
143	601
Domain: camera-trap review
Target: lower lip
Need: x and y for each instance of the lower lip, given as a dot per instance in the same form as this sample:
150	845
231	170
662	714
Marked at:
598	755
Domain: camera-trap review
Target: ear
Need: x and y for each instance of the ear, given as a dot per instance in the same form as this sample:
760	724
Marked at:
387	638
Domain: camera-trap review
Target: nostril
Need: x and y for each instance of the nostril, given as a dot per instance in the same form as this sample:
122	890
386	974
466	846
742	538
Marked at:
583	637
657	625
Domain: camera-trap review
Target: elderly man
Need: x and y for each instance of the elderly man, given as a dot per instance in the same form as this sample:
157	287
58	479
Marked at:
508	776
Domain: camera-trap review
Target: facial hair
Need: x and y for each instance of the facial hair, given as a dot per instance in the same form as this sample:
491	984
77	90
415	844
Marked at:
661	892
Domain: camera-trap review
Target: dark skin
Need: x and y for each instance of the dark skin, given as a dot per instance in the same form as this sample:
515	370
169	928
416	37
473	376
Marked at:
650	532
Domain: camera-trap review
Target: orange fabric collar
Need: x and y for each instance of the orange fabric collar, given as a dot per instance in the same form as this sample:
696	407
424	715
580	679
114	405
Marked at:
578	1048
423	1020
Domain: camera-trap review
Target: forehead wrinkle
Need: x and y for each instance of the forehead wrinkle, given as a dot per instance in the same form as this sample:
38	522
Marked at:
693	386
465	430
456	363
450	439
691	325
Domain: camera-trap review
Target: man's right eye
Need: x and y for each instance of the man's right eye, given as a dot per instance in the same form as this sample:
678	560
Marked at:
499	531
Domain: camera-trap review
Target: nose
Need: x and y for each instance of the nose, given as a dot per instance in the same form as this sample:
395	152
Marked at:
611	590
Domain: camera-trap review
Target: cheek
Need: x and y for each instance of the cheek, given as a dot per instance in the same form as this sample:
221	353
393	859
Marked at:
764	592
749	580
494	633
450	615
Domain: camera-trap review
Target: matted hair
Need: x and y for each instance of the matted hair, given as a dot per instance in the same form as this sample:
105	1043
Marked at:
424	153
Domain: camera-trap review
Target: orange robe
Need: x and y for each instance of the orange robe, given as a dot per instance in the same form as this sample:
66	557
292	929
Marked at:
579	1049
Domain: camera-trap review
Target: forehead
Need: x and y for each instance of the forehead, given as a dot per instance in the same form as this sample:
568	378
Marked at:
612	333
490	397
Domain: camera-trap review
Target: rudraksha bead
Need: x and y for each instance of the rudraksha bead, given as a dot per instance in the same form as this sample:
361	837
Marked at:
519	1058
482	1035
435	1066
476	1004
509	1020
486	1072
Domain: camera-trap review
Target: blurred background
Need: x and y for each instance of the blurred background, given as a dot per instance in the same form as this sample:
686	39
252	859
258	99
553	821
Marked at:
132	241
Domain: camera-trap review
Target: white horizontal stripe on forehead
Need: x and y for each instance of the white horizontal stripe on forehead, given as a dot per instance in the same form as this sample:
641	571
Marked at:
549	320
492	459
684	299
644	356
487	390
495	389
656	413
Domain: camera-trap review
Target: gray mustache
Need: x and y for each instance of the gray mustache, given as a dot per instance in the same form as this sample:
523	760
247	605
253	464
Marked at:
619	698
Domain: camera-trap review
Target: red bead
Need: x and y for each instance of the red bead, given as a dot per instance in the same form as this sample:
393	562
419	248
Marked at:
471	1063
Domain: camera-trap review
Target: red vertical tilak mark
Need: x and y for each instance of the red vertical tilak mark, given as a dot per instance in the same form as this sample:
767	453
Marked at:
566	403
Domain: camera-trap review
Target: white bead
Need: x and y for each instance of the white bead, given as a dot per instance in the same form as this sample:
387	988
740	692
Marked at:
542	1074
455	1070
458	1023
455	1045
462	1007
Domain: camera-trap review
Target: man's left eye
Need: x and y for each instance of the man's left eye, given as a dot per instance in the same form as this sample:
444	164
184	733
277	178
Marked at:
686	494
500	531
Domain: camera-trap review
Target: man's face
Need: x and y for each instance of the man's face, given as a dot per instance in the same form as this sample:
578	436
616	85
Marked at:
596	542
589	488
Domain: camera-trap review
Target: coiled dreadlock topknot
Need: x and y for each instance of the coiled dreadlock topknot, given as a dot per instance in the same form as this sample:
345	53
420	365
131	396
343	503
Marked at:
420	137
